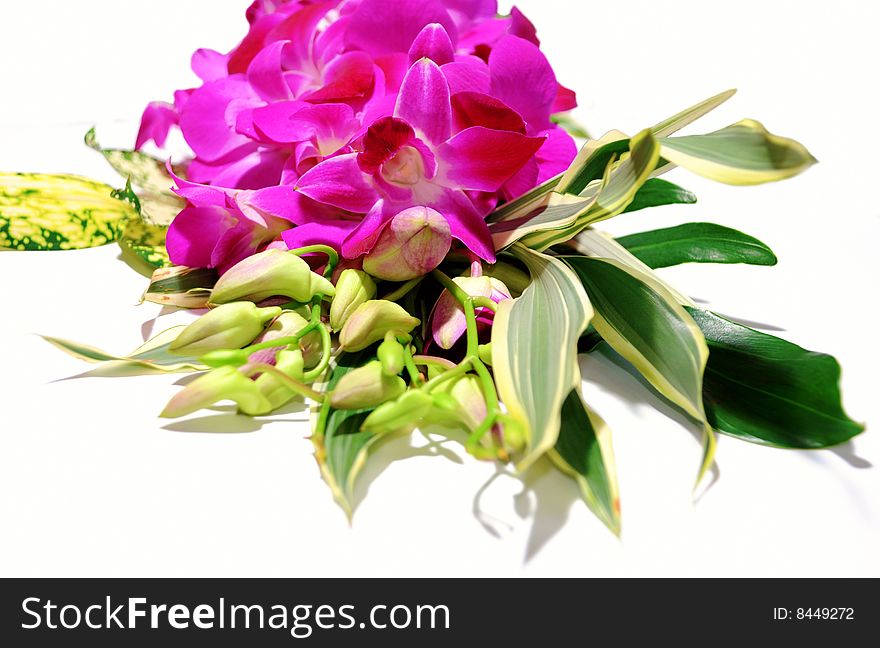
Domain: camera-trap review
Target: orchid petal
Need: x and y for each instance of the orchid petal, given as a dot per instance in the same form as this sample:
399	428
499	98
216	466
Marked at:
433	43
557	154
250	169
364	237
348	76
157	120
476	109
287	203
208	119
466	223
332	233
565	100
266	75
210	65
339	182
192	236
424	101
483	159
523	79
467	74
384	26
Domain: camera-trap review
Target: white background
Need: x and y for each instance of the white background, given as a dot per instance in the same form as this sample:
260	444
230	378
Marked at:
93	484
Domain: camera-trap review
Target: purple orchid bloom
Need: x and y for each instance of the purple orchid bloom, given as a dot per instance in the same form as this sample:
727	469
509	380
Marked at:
331	117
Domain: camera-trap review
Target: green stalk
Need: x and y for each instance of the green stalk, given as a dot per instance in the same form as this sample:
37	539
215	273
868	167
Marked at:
332	256
294	385
404	290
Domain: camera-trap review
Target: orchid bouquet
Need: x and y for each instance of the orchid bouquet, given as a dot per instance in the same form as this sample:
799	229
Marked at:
386	215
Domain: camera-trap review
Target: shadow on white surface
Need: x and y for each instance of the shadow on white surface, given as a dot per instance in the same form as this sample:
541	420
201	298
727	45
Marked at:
227	420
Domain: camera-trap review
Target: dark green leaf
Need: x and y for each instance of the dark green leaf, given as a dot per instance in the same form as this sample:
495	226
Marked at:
766	390
583	450
697	243
656	193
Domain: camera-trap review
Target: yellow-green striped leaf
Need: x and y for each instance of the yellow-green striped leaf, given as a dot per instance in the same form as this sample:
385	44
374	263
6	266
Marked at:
617	191
688	116
649	328
591	161
534	346
742	154
151	357
58	212
561	212
584	452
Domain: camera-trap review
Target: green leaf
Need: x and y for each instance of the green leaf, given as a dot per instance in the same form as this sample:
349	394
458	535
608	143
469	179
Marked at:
647	326
58	212
341	446
534	345
697	243
159	205
742	154
593	243
571	125
766	390
151	357
657	193
182	287
584	452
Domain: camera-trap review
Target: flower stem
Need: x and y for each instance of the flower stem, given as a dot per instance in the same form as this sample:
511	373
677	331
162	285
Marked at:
294	385
332	256
404	290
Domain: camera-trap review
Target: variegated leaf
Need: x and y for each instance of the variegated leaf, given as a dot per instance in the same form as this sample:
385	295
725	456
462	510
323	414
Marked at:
151	357
181	287
534	343
649	328
159	205
742	154
58	212
619	188
584	452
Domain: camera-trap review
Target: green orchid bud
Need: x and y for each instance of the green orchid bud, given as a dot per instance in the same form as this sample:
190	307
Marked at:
514	436
415	242
354	287
230	326
288	324
371	321
404	413
273	273
460	403
366	387
485	353
276	392
392	355
224	383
